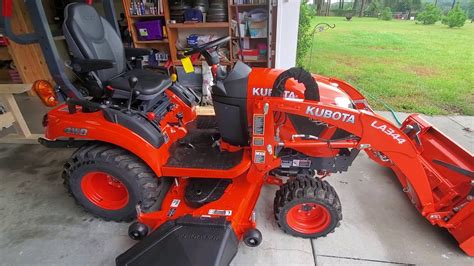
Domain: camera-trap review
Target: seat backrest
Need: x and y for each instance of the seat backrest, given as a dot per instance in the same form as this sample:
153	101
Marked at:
90	36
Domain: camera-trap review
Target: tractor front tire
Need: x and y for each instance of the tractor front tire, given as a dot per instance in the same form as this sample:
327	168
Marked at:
307	207
110	182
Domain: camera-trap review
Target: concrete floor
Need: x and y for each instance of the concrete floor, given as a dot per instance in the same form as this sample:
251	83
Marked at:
40	224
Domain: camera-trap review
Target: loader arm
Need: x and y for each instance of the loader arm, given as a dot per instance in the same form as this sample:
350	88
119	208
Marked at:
375	133
440	191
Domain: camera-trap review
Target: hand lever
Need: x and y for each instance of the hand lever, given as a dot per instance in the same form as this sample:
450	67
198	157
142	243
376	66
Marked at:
132	81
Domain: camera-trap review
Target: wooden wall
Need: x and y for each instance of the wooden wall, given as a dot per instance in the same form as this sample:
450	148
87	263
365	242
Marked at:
28	59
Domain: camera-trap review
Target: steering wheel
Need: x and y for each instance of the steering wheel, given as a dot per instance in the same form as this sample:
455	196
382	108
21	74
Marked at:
204	47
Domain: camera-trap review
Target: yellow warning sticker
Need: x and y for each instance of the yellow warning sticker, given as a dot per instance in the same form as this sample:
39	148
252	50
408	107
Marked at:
187	65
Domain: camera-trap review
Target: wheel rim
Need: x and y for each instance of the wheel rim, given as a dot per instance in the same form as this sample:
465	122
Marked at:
104	190
308	218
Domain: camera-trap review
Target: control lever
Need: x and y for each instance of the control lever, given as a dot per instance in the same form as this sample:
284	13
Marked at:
132	81
180	117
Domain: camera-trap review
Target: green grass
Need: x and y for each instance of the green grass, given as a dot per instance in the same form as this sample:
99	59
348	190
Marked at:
411	67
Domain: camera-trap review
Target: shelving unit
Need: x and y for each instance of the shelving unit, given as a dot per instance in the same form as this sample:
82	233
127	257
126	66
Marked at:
152	42
160	45
234	9
177	31
248	5
146	16
199	25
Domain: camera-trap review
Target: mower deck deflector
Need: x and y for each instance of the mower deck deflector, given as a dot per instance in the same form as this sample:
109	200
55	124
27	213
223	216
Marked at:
185	241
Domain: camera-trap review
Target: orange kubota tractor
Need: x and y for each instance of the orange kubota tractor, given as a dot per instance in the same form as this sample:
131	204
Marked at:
193	181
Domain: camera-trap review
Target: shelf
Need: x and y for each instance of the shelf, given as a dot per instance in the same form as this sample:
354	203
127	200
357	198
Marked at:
260	60
147	16
247	37
250	5
198	25
255	61
153	41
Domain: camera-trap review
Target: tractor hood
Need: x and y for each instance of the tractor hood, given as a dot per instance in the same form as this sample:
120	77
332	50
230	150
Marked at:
261	81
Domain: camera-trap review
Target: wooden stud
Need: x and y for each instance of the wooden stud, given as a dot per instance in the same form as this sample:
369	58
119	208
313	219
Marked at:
20	124
14	88
6	120
28	59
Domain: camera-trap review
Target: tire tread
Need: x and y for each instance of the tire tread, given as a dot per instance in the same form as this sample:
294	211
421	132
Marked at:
94	152
305	187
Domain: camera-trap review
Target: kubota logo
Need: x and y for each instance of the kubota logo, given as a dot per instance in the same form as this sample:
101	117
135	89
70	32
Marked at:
321	112
268	92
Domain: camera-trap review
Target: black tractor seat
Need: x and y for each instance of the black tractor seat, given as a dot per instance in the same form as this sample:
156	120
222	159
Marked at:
101	60
150	83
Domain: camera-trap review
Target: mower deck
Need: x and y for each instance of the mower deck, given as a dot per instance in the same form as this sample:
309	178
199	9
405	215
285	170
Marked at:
198	149
185	241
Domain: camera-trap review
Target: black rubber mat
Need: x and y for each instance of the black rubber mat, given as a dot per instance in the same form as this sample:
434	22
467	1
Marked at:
204	122
196	151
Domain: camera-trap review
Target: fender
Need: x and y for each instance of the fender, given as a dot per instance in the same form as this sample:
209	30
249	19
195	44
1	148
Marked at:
93	126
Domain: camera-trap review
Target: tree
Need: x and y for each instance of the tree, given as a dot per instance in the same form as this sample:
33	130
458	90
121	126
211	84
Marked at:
455	18
430	15
354	5
415	5
319	6
375	8
470	9
341	4
386	14
328	8
361	12
304	33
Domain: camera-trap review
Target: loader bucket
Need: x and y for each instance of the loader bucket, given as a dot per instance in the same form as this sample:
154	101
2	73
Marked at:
450	169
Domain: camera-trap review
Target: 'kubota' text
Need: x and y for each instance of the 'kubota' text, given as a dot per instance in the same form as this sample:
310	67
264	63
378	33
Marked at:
321	112
268	92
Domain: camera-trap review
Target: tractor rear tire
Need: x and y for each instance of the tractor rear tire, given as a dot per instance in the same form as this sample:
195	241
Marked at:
307	207
110	182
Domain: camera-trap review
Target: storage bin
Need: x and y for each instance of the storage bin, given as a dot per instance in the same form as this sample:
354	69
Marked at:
258	23
149	30
250	54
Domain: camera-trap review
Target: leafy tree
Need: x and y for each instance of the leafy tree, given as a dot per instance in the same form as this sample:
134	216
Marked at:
446	5
470	9
403	5
304	33
455	18
354	5
386	14
375	8
430	15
